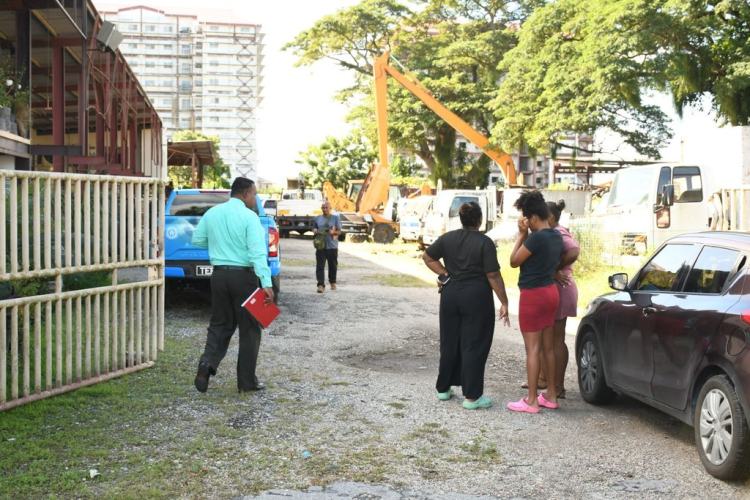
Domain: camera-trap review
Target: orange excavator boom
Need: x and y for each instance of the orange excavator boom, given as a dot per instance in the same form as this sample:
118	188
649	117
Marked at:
382	69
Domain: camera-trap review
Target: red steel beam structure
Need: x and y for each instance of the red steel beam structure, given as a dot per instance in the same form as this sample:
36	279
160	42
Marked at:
58	105
93	93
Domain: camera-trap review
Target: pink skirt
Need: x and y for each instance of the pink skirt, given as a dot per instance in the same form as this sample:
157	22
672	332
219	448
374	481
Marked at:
537	308
568	307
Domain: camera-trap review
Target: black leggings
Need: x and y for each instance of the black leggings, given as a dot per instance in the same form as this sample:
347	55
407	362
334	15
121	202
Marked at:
467	325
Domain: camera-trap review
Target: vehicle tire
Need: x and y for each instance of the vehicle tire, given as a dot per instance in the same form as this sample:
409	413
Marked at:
383	233
721	430
591	380
283	233
276	286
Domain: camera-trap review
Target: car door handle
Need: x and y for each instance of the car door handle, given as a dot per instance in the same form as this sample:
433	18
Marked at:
648	311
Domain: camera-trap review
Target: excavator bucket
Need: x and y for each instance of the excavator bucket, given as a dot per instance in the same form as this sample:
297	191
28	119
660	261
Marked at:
338	200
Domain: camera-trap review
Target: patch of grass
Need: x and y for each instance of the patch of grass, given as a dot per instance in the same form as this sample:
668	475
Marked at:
480	450
297	263
398	247
398	406
397	280
428	431
57	440
332	383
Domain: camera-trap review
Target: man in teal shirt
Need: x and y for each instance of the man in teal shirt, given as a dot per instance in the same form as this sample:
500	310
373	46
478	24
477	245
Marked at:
236	244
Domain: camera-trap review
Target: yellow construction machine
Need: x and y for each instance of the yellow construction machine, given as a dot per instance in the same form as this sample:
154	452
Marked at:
376	188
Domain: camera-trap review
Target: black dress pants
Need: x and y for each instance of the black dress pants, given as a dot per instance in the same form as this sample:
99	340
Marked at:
467	326
331	256
229	289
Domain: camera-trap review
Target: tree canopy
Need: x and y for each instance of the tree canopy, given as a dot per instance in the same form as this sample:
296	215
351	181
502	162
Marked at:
533	71
337	160
587	65
214	176
453	46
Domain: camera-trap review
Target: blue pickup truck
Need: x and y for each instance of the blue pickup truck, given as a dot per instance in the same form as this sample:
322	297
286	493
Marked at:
185	263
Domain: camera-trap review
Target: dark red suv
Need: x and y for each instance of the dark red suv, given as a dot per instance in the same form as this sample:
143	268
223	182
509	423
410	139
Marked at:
676	337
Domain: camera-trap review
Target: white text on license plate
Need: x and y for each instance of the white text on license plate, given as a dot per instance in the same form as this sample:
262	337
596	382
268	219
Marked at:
204	270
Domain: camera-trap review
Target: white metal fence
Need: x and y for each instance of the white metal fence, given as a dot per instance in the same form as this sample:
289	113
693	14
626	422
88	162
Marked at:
55	225
735	209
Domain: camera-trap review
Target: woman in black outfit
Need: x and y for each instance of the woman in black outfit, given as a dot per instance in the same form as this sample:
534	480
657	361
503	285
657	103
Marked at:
467	310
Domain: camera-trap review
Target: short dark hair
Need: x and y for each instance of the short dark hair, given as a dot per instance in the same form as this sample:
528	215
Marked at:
531	202
556	208
240	185
470	214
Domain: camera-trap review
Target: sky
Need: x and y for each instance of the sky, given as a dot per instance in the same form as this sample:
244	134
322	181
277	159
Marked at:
298	107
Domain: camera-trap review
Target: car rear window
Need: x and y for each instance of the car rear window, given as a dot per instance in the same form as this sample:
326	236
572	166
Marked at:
187	205
269	204
711	270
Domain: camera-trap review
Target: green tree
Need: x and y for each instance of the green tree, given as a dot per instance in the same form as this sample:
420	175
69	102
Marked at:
453	47
337	160
214	176
404	166
586	65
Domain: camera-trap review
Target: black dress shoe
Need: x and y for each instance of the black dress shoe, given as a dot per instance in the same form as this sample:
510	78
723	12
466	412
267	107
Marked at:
201	379
259	387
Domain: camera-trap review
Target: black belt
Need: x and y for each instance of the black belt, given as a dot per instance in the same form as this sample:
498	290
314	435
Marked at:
233	268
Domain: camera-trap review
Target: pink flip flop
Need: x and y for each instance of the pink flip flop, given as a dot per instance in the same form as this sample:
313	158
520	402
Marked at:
543	402
522	406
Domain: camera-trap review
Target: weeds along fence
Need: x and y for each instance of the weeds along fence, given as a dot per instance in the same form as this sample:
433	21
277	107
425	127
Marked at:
603	246
57	226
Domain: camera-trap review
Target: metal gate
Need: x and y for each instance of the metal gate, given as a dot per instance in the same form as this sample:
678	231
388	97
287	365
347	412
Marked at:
55	225
736	207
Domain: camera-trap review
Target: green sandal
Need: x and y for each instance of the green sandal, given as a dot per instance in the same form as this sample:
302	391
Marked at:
482	402
445	396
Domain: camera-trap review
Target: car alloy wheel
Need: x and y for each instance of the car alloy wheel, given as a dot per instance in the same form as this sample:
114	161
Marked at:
591	378
722	435
716	426
589	364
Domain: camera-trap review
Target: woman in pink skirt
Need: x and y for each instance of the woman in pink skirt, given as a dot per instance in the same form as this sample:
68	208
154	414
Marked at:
538	254
568	291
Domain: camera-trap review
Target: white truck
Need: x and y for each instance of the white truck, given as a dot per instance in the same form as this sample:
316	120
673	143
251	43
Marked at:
710	191
296	210
443	216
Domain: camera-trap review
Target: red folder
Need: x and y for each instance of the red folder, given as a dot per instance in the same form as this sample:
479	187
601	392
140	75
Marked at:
255	305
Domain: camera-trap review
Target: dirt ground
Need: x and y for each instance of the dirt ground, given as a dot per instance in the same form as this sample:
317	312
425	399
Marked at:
350	411
375	341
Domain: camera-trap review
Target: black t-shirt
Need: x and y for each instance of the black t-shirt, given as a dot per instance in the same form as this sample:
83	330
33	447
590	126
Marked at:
466	254
539	269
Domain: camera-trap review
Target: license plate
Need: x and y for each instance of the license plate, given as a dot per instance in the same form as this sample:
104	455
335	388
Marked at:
301	224
204	270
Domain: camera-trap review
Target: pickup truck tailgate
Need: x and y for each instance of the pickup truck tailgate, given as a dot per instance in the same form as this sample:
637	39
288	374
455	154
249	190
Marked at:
179	234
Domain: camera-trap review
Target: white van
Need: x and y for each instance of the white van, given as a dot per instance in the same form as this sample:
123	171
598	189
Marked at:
443	216
411	217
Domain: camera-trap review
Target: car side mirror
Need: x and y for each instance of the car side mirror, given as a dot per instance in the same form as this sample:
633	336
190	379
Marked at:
667	195
619	282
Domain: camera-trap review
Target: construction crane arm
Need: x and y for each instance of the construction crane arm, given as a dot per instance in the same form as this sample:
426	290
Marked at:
382	69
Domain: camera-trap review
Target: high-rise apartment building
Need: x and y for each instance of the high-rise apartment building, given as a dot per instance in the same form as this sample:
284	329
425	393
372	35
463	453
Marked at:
200	74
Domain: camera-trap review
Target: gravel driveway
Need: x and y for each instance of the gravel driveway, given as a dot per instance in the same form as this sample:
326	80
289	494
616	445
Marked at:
362	361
